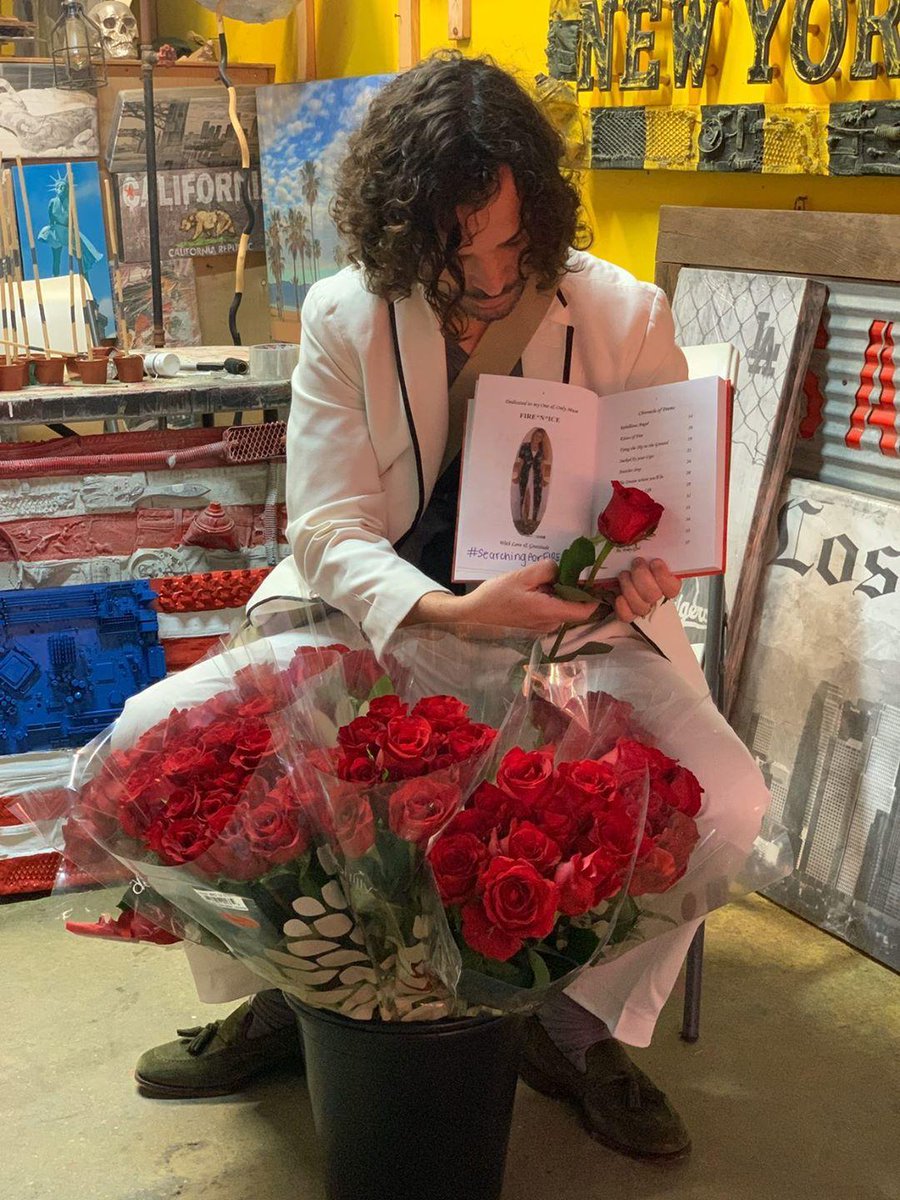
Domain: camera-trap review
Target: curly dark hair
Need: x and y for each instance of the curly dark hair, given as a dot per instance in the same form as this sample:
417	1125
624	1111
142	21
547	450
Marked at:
435	138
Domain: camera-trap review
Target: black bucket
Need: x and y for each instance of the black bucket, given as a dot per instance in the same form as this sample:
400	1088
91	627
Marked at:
411	1111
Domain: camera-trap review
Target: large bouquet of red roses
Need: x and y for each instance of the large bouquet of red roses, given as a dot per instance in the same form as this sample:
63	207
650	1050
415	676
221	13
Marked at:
541	864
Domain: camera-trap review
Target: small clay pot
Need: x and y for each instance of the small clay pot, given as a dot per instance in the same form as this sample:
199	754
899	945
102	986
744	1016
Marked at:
103	351
12	377
50	372
94	370
129	367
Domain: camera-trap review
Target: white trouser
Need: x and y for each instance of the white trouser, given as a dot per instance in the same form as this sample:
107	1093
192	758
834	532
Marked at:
628	992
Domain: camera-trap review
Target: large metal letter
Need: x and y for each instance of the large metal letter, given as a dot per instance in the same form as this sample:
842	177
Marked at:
809	71
762	22
868	27
691	33
596	43
639	41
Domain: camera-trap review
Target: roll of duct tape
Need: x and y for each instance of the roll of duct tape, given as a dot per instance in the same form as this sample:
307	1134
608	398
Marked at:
274	360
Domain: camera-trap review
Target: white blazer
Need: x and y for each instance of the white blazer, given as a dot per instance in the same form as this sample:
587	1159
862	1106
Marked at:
368	423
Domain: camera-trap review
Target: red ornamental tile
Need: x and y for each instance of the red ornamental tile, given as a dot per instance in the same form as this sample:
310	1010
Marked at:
207	592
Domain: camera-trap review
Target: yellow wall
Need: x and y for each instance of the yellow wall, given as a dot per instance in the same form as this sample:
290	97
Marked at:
359	37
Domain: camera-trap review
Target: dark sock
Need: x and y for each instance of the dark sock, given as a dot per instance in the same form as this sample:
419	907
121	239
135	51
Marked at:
270	1014
571	1028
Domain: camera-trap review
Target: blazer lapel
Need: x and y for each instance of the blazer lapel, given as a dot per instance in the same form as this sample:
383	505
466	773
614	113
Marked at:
545	354
423	359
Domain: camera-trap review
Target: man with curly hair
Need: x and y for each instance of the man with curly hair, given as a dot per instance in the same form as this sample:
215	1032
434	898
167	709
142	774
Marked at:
455	211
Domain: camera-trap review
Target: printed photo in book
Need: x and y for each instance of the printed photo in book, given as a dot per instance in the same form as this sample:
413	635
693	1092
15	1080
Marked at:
539	460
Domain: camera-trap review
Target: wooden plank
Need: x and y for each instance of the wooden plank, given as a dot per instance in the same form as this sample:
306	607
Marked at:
459	28
842	245
408	32
305	33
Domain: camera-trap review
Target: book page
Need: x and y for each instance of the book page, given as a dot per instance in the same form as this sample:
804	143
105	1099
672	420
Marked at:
672	442
528	474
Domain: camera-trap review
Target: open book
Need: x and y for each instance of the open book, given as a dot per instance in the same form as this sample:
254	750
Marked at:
539	459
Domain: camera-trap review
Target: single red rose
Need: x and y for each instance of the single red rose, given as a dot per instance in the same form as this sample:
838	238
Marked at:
276	834
386	708
353	824
420	808
470	740
362	733
587	782
630	516
679	838
615	832
230	854
182	804
179	842
358	768
656	873
252	744
488	798
527	775
442	713
525	841
408	747
259	706
138	813
211	803
517	899
560	826
683	790
586	880
471	820
362	671
220	738
456	860
485	938
309	661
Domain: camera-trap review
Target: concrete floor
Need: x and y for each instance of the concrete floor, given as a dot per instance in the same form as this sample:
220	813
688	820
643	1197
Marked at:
792	1093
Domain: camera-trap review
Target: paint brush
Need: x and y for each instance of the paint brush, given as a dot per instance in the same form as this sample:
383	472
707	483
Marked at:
79	258
124	335
32	247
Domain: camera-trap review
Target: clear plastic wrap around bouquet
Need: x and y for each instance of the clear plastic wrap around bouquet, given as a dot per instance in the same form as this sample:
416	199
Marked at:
453	829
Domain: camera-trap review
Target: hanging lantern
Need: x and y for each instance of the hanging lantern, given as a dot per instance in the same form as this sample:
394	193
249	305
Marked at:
76	47
253	12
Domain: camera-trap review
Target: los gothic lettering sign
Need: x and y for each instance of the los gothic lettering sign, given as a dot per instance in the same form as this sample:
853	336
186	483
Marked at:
581	41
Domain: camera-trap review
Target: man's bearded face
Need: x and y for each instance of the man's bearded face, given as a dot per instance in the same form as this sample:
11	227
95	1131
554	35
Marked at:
490	253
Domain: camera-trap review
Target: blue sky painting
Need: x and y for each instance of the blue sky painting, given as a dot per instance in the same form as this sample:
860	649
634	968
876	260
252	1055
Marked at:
305	123
43	182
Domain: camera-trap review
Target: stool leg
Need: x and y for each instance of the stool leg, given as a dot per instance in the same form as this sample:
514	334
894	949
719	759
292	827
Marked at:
693	984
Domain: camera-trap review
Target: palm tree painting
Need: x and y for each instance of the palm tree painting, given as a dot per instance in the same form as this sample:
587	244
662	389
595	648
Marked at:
303	130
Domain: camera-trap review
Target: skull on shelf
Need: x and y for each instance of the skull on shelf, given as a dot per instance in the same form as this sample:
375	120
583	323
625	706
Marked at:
118	27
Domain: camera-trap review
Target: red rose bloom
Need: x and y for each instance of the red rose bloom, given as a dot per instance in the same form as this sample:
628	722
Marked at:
469	740
353	824
471	820
230	854
179	842
419	808
456	860
276	834
408	746
486	939
385	708
252	743
361	672
526	841
630	516
517	899
656	873
683	790
526	775
361	734
358	768
587	781
442	713
188	762
585	880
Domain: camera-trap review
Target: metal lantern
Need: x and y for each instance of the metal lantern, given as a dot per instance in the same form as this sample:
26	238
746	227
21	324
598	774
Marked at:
76	48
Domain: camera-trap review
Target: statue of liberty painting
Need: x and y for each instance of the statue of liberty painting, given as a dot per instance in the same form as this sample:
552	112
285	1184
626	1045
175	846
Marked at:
56	232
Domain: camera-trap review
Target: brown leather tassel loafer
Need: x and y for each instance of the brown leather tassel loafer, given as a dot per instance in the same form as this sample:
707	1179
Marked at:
619	1105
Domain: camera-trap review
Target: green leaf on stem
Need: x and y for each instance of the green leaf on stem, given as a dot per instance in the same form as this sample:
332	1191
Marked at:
576	559
583	652
540	969
381	687
566	592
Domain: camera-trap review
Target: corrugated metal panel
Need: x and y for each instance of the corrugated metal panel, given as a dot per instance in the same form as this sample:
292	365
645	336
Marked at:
850	436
